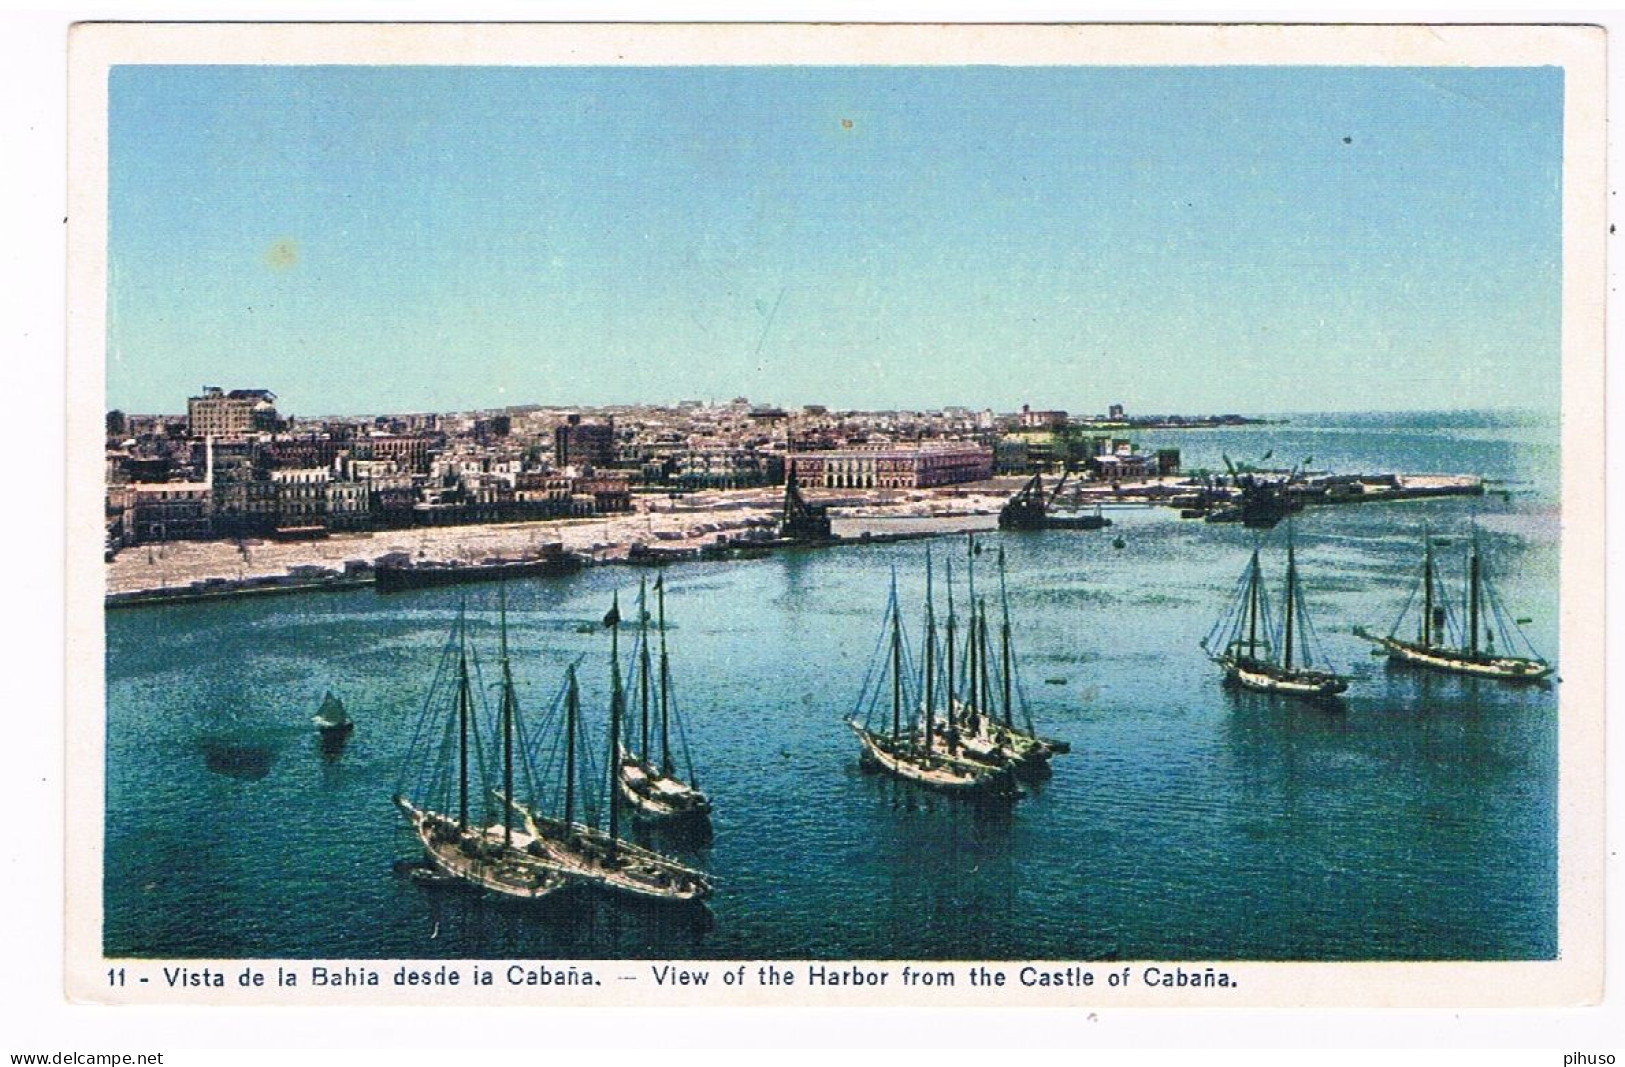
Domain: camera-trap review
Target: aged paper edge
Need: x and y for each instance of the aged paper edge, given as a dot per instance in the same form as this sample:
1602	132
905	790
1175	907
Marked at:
1574	979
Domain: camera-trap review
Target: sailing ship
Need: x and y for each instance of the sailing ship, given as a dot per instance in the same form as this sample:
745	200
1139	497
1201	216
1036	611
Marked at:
487	853
1445	642
646	775
977	723
1266	653
911	746
332	723
601	858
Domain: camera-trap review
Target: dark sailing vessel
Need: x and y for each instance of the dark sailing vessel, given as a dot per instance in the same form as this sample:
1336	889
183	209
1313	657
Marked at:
646	774
1267	654
488	854
910	746
1445	643
585	854
333	725
978	724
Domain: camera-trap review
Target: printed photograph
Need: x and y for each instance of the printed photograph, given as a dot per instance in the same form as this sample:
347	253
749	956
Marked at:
1029	512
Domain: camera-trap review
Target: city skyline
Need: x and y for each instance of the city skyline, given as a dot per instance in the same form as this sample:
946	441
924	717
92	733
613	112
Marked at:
1190	240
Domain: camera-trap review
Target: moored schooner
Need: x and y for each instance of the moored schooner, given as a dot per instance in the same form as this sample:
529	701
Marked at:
907	744
1447	642
602	858
646	776
1266	653
490	853
987	726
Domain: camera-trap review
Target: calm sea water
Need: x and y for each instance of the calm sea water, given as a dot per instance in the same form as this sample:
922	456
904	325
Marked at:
1418	822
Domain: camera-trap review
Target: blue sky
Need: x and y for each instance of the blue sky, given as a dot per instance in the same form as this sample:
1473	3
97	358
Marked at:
1175	239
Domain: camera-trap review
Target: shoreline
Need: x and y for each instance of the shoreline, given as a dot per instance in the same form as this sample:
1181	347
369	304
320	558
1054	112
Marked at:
724	522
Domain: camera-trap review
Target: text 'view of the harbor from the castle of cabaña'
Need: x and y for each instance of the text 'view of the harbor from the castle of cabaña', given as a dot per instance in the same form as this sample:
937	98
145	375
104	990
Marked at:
832	514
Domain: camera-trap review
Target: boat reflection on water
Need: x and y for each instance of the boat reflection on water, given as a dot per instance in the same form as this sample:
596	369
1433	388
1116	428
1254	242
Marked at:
247	760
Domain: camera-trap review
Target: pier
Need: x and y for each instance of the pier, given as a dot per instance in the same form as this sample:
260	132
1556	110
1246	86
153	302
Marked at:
720	525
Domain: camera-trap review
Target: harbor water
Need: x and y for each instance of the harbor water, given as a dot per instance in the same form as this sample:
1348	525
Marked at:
1418	820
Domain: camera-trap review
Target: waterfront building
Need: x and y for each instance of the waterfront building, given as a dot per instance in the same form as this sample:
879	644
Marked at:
608	495
169	511
301	496
349	506
892	466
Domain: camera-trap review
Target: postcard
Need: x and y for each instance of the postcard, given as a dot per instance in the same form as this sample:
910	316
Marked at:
720	515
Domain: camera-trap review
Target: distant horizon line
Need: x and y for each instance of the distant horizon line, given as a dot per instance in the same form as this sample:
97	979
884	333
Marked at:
1533	408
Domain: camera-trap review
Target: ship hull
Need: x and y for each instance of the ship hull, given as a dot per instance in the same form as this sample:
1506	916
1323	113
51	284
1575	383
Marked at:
942	773
590	856
479	859
1264	678
394	579
654	797
1450	661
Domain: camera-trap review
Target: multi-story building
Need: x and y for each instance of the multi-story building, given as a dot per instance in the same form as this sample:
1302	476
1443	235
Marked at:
893	467
169	511
301	496
608	495
218	413
349	505
584	444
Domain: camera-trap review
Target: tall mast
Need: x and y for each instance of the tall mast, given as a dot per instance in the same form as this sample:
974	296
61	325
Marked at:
462	720
1252	607
1427	591
1291	599
986	701
643	668
952	734
507	723
973	697
616	699
1472	596
665	682
896	663
572	709
930	655
1004	640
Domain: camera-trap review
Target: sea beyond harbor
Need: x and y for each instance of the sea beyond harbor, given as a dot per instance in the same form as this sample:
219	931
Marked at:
1417	821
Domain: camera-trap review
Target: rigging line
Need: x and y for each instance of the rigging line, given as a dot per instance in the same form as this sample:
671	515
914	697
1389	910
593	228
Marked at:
682	741
1406	610
425	715
865	705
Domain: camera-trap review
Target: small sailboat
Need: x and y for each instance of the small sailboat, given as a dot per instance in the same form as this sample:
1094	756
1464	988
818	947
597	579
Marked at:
332	723
446	754
1445	641
1271	654
646	774
601	858
910	747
